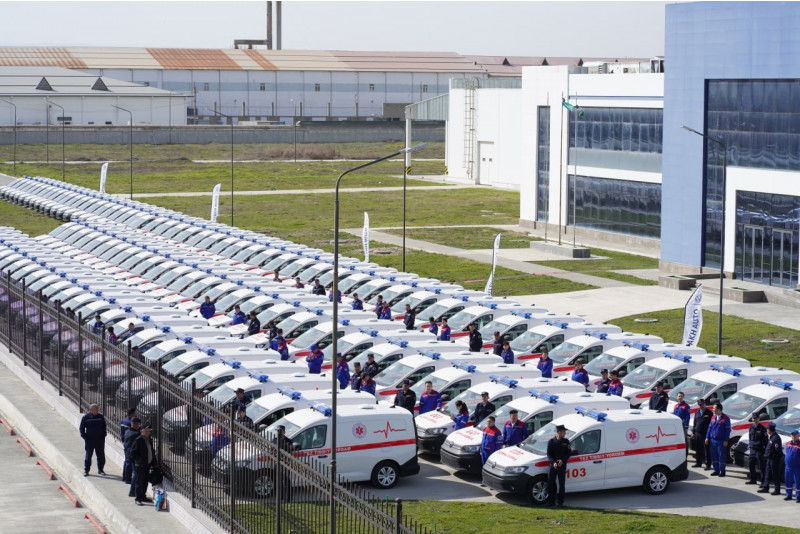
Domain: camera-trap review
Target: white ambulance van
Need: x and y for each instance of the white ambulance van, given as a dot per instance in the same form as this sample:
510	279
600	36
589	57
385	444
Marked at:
784	424
551	334
461	450
771	398
374	443
590	345
267	409
629	356
617	449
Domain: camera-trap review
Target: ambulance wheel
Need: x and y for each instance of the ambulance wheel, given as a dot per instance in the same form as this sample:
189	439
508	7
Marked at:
656	481
385	475
538	491
731	446
263	485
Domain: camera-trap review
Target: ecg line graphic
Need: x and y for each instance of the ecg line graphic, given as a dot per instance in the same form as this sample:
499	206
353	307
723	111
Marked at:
659	434
388	429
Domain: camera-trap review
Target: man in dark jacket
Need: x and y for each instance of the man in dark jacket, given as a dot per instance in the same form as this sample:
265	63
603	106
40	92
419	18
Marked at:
558	453
254	326
371	367
409	318
483	408
144	457
497	344
702	418
659	400
318	289
475	339
93	432
127	443
757	445
124	426
406	398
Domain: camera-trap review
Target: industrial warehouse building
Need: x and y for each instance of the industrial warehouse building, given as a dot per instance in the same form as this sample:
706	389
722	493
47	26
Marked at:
621	167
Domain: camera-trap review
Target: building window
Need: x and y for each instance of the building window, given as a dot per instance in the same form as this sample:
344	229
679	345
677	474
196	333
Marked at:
372	88
619	206
316	88
262	86
205	86
543	164
618	129
424	87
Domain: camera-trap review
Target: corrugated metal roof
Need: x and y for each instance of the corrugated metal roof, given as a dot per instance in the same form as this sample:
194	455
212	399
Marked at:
23	81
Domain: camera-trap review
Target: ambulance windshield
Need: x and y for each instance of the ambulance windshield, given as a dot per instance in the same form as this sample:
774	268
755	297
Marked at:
434	311
692	389
460	320
470	398
501	416
604	361
789	421
526	341
642	377
564	352
393	374
537	442
740	405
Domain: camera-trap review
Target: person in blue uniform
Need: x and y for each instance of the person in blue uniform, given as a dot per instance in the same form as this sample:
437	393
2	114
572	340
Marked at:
386	312
615	386
580	375
719	431
281	346
342	371
93	432
98	326
238	316
683	410
604	383
207	309
545	364
315	359
514	430
773	455
357	303
444	335
378	307
659	400
433	328
558	453
254	326
409	318
367	384
461	418
330	296
791	474
702	418
757	445
507	354
492	439
430	399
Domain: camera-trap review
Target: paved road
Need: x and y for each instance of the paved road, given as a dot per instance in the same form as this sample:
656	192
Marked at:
700	495
29	501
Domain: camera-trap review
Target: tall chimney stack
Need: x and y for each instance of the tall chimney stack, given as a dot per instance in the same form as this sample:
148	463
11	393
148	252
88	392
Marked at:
269	25
278	24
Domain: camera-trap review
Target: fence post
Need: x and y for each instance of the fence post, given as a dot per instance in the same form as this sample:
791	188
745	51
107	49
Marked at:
41	332
232	468
278	483
128	363
80	369
25	332
103	373
60	354
193	456
10	312
398	518
158	411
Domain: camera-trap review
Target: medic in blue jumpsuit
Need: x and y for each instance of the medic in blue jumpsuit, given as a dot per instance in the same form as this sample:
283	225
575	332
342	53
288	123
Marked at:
430	399
433	328
719	431
207	309
444	335
357	303
514	431
492	439
791	474
281	347
580	375
238	316
507	354
545	365
342	371
314	360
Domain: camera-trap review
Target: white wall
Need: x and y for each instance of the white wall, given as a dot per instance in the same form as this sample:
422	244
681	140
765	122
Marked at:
83	110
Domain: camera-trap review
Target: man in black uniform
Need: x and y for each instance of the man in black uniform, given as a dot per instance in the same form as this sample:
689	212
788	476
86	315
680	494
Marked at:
409	318
475	339
702	418
371	368
355	378
602	386
773	455
406	398
318	289
757	445
482	409
659	400
558	452
497	344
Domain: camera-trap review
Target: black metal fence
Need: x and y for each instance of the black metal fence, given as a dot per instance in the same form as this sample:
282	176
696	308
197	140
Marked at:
240	478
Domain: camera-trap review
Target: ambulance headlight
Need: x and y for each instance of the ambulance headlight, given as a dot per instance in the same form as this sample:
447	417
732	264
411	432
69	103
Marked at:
515	469
435	431
471	448
243	464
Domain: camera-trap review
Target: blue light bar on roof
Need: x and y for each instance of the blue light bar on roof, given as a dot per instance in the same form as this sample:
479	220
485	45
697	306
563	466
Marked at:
291	393
728	370
430	354
165	329
777	383
505	381
678	356
320	407
598	335
591	413
464	366
548	397
187	339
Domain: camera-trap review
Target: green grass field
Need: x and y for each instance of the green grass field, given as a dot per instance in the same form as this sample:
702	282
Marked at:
31	222
468	238
740	337
609	261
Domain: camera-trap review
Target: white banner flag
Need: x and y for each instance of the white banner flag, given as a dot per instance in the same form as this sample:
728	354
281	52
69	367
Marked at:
103	174
490	282
215	203
365	237
693	318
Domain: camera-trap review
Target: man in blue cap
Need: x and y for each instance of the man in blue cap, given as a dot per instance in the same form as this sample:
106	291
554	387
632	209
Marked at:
772	455
342	371
757	442
792	462
314	359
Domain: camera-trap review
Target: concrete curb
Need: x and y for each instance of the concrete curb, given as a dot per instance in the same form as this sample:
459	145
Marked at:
179	507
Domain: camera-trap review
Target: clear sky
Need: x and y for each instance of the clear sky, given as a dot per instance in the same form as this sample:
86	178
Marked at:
601	29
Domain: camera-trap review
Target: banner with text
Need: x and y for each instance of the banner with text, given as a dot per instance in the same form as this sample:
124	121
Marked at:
215	203
365	237
103	174
490	282
693	318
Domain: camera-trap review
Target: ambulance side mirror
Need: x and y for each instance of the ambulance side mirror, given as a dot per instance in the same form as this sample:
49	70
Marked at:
622	373
445	398
295	446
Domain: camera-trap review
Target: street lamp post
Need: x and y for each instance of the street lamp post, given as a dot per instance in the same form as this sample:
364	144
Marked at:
335	318
15	132
63	119
231	118
722	231
130	141
296	124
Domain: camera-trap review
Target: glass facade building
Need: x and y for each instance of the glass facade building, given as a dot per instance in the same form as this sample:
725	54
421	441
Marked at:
543	163
620	206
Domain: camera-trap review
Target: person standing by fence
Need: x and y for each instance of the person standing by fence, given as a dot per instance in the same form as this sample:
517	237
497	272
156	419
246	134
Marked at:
93	431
